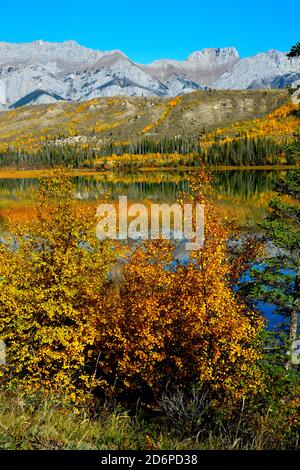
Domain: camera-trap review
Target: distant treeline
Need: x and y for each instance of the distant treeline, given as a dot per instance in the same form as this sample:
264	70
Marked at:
239	151
247	151
49	156
182	145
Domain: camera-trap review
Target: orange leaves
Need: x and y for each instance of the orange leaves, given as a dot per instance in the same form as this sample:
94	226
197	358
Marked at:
77	315
175	324
174	102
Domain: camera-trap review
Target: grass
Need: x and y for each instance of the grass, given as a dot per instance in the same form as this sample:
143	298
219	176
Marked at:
30	424
34	423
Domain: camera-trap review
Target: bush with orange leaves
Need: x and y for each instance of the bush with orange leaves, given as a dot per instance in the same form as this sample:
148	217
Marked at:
70	330
174	324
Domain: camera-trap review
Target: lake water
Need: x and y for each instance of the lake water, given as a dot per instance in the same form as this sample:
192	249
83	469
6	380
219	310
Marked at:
242	193
156	184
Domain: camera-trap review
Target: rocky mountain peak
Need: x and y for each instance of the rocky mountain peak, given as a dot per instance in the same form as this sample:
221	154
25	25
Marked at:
215	54
42	71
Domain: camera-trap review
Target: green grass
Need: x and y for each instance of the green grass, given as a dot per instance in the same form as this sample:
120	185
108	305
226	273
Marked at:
27	424
34	423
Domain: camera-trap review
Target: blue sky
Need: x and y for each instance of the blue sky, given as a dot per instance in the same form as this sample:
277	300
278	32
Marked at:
156	28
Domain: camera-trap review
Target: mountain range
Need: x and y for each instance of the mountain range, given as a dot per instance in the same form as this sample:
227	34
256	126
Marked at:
42	72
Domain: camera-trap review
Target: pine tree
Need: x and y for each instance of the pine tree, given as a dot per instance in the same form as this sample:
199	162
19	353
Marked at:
277	281
295	51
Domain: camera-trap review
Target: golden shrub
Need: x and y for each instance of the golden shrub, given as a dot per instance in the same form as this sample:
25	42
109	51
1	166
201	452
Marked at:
53	274
71	330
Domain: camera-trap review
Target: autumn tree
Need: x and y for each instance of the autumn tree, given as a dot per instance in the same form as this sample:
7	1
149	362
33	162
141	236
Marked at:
177	323
79	318
53	276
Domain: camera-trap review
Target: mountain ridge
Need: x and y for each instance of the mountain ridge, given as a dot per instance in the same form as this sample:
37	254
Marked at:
41	71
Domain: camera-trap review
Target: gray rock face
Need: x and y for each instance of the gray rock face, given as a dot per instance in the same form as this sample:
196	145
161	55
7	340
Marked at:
280	81
202	67
264	70
43	72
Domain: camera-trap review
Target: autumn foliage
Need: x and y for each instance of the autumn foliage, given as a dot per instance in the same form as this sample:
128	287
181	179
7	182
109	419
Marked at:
74	328
179	323
53	270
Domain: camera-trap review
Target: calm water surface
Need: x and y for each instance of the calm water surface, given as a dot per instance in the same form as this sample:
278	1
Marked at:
239	188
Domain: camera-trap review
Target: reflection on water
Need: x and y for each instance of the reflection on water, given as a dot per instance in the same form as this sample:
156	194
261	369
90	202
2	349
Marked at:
19	189
244	184
135	189
240	194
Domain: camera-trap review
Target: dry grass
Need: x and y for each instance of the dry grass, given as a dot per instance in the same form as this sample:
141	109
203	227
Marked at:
30	423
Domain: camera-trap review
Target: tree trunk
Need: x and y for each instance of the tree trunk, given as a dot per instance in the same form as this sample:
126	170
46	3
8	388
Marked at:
294	321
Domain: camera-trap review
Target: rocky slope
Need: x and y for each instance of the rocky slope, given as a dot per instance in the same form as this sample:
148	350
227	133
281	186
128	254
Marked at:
43	72
266	70
121	119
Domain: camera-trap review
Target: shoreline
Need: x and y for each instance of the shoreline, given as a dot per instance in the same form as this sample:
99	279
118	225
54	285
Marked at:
16	173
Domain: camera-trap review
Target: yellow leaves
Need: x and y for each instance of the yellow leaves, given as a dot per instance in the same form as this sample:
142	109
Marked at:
281	124
148	128
69	327
50	319
102	127
151	159
171	104
284	111
72	131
